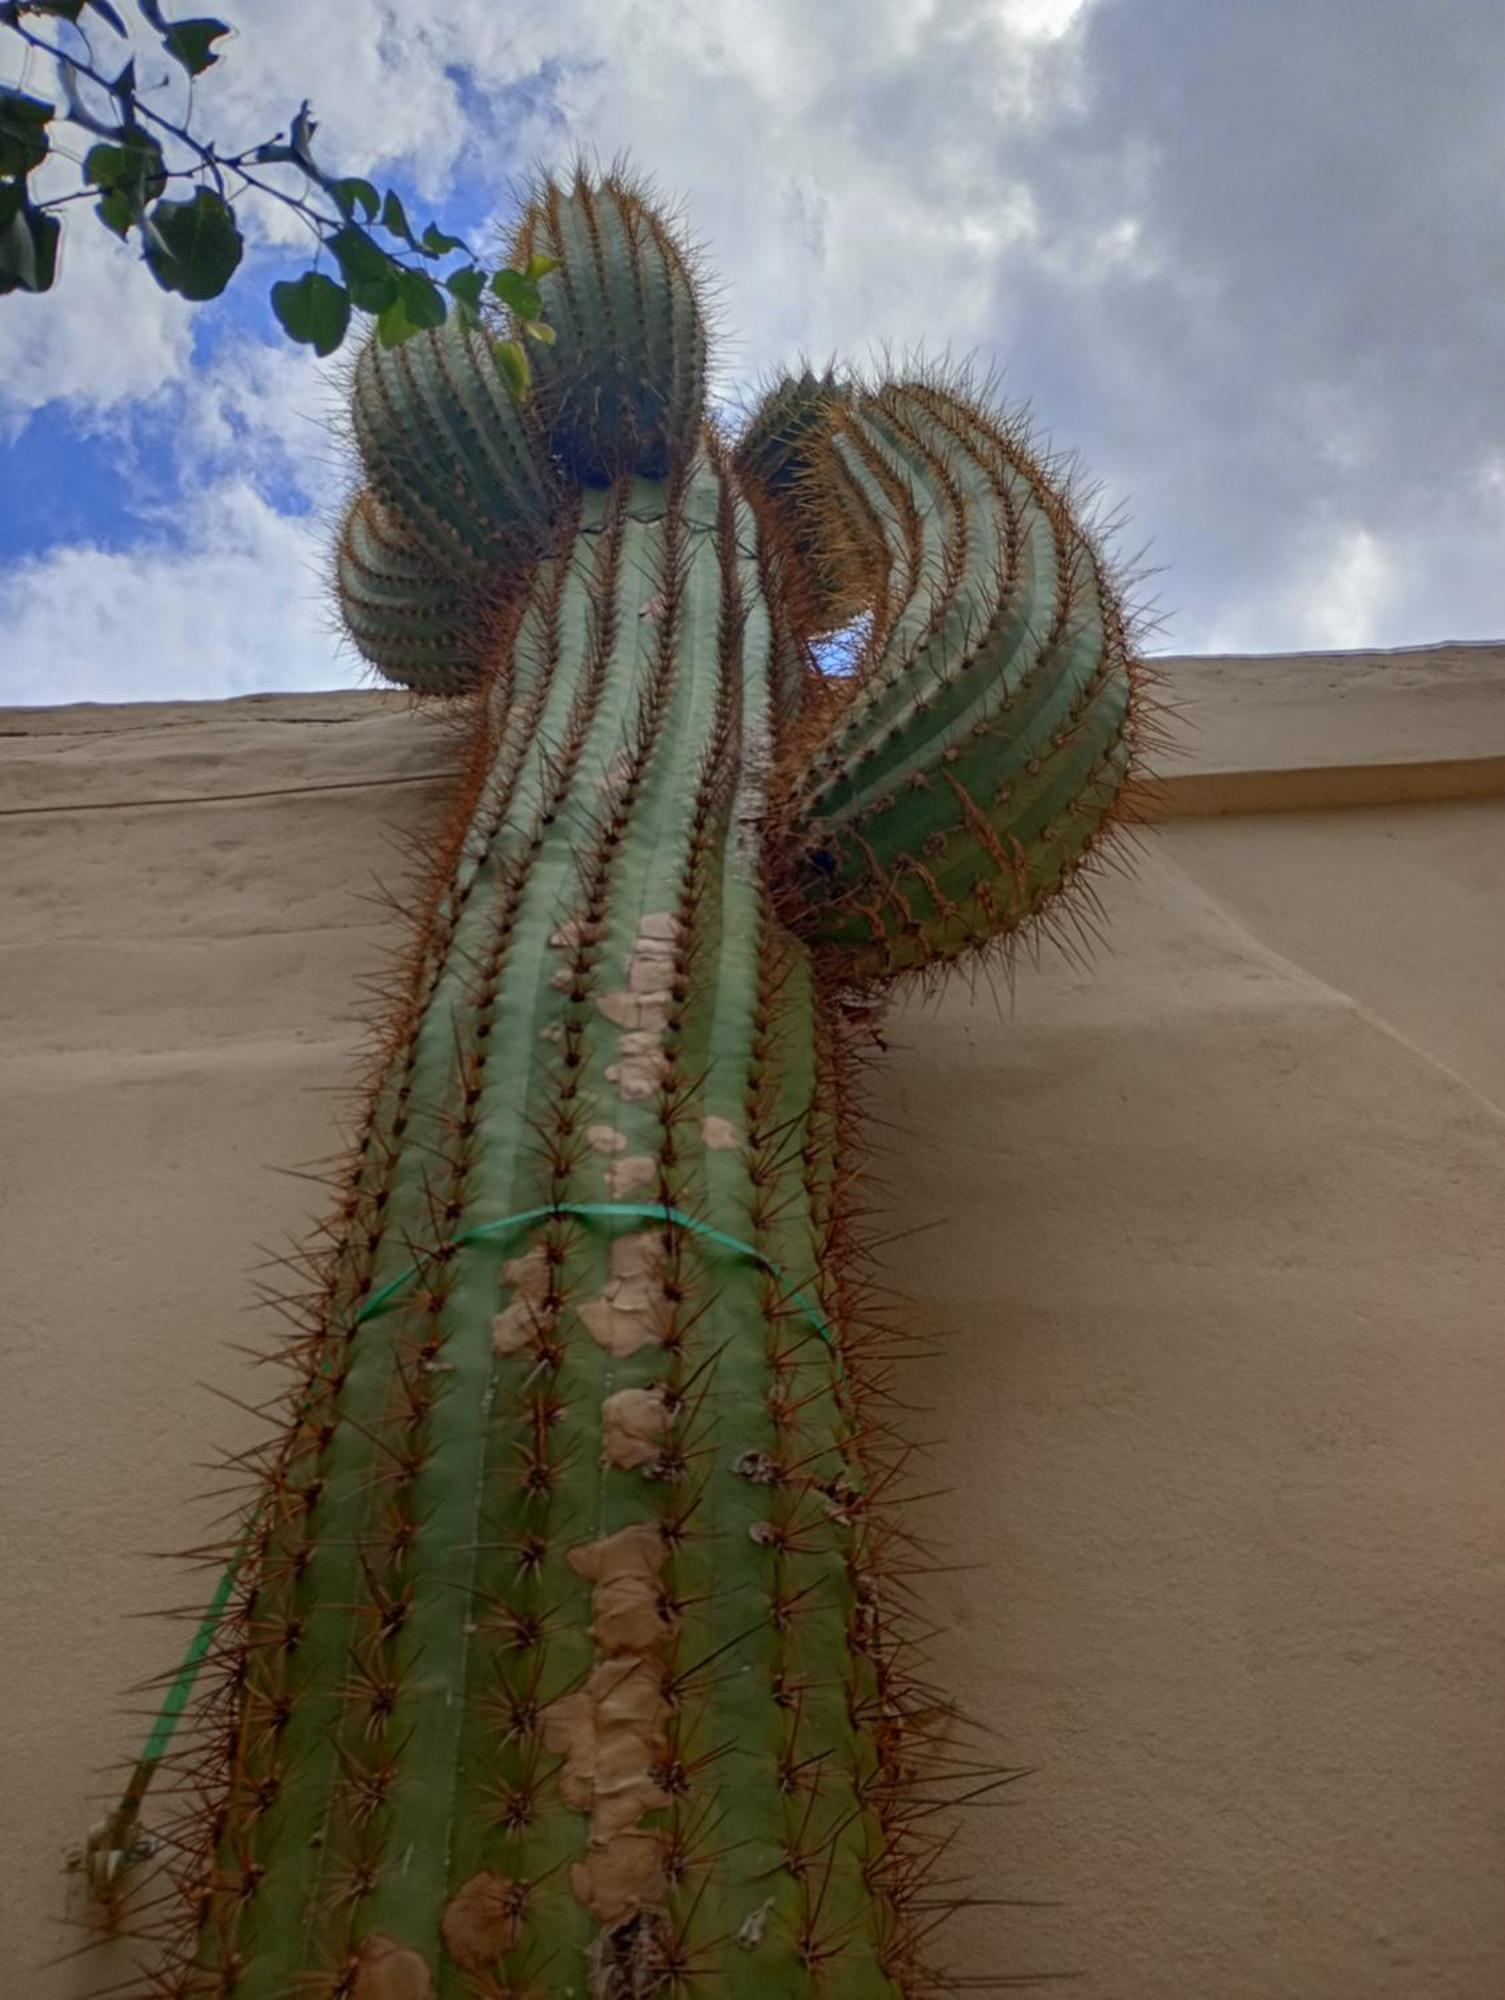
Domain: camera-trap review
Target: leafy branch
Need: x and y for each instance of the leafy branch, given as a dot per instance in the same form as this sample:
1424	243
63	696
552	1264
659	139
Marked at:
192	244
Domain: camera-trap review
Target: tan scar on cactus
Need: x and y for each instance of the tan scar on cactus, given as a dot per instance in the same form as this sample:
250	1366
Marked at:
389	1970
483	1919
637	1174
633	1425
632	1312
613	1732
646	999
527	1277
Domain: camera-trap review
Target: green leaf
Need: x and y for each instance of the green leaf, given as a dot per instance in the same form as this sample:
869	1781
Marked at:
104	165
128	176
23	131
137	158
436	244
537	329
394	217
513	364
192	42
352	194
540	266
518	292
417	306
359	255
393	326
421	299
194	246
117	212
28	242
466	286
103	7
365	267
374	295
313	309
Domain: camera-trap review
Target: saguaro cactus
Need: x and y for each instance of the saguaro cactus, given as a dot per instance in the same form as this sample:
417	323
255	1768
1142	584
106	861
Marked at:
564	1659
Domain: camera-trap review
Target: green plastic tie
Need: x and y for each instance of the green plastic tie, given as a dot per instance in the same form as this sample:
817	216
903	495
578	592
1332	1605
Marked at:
609	1210
110	1847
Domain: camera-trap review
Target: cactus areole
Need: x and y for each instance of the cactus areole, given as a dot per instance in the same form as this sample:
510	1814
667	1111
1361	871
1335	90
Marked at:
564	1660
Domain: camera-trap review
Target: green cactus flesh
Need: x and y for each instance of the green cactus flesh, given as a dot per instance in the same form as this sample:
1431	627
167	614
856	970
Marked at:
563	1662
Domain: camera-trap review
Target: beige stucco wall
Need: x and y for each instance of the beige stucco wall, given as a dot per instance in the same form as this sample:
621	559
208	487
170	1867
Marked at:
1210	1233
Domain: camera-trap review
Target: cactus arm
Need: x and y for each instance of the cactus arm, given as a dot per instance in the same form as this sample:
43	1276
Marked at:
992	726
451	453
622	388
823	560
409	620
460	499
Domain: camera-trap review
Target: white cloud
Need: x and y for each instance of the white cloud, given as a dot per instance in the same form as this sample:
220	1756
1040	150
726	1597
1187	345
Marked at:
1355	591
104	335
835	223
1345	596
1048	20
240	608
1210	268
843	170
266	415
841	166
223	593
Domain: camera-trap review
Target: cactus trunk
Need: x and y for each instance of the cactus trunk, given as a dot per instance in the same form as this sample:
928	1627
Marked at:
562	1658
559	1656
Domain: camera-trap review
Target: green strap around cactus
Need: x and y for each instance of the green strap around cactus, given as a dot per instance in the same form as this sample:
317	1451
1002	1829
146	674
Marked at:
603	1211
109	1844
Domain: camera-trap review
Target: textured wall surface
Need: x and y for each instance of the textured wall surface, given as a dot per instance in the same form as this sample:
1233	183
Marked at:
1208	1234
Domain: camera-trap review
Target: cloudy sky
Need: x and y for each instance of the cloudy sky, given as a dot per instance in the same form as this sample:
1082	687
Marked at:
1247	257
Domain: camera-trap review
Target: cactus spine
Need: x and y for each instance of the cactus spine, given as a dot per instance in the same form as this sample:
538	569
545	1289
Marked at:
563	1662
